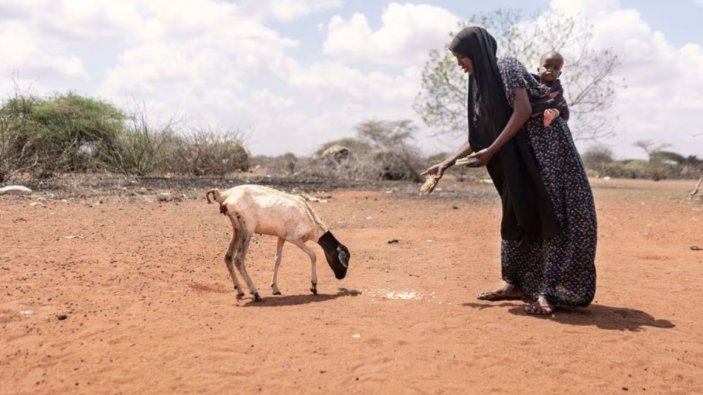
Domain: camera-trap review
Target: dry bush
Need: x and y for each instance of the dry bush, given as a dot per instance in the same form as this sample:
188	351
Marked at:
598	158
139	148
205	152
281	166
381	152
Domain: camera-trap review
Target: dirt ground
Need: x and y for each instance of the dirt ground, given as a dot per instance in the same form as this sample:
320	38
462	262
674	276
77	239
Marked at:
102	295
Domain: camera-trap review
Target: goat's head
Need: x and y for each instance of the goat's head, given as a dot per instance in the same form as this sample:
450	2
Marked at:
337	254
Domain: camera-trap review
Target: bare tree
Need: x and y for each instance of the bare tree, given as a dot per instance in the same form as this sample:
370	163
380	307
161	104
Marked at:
588	79
649	146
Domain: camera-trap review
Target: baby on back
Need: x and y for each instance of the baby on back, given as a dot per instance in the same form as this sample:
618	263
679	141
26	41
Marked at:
553	104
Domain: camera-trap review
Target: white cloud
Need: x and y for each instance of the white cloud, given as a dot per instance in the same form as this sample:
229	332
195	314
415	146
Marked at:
24	53
589	9
407	33
267	99
287	10
218	68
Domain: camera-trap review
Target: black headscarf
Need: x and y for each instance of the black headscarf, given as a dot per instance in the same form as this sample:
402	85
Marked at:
527	210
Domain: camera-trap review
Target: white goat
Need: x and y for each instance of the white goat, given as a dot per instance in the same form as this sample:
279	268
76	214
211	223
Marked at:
263	210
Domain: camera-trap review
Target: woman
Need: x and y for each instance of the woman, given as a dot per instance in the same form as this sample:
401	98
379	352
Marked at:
548	228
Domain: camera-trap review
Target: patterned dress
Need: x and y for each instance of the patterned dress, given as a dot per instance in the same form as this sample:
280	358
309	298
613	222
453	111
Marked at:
563	267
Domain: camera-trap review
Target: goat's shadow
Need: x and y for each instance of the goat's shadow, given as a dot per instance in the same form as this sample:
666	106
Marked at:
294	300
601	316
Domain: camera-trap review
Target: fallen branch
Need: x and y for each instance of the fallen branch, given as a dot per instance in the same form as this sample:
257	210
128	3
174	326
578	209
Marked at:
14	189
695	190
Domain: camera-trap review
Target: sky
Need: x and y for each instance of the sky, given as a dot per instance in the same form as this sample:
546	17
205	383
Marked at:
290	75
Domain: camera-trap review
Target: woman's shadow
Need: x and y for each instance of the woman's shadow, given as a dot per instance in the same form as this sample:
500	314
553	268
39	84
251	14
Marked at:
293	300
602	316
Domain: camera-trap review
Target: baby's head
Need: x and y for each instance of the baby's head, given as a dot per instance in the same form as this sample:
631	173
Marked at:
550	65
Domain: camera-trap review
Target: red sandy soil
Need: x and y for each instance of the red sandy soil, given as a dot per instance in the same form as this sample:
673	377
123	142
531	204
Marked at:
149	306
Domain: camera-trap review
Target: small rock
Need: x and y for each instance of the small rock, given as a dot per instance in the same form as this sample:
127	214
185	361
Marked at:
393	241
164	197
61	317
695	248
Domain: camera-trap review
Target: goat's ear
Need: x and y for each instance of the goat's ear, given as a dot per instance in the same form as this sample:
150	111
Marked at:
214	197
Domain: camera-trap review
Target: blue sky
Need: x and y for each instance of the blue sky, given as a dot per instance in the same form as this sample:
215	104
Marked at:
294	74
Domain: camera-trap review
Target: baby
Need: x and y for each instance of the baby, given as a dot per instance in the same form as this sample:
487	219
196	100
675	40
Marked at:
553	104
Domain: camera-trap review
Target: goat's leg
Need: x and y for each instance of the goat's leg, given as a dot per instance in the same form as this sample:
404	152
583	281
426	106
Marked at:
230	266
240	259
279	254
311	254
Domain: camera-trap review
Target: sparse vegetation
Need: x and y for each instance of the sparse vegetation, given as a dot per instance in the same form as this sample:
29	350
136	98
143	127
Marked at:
204	152
68	133
40	137
601	162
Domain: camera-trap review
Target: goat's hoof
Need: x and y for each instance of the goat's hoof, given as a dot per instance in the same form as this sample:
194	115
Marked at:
240	295
314	291
257	298
274	289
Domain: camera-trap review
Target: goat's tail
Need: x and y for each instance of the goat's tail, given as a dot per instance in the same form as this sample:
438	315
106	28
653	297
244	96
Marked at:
216	196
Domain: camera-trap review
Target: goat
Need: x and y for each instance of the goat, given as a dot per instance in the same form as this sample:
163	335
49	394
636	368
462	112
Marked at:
267	211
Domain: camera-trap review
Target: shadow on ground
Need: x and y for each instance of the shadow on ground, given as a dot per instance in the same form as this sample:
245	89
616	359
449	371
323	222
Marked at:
294	300
601	316
483	306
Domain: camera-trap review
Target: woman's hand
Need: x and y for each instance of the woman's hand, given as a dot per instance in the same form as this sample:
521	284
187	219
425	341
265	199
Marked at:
436	170
483	157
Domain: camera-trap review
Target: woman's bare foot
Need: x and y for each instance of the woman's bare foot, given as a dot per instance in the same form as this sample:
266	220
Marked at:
539	307
506	292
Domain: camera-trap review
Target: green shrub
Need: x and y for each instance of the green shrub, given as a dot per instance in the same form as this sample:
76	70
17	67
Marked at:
62	133
17	152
